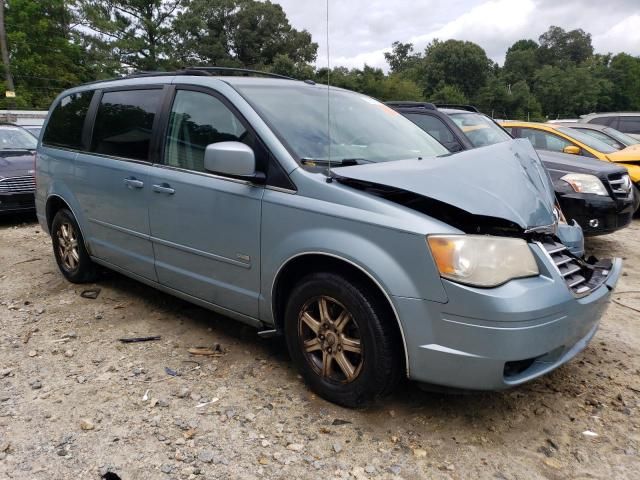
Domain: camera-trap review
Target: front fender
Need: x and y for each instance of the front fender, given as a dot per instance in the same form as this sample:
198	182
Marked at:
400	262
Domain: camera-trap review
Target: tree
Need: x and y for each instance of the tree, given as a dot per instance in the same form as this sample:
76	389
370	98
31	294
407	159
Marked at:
624	75
460	64
448	94
521	62
247	33
558	47
44	52
402	57
137	32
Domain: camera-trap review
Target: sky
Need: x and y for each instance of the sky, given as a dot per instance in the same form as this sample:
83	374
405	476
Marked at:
360	31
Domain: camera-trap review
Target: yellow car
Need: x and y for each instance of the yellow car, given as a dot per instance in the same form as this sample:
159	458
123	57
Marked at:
561	138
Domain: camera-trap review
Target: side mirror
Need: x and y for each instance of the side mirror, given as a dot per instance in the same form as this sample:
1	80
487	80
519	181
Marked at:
572	149
234	159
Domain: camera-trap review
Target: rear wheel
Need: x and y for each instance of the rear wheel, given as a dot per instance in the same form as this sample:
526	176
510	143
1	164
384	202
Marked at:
342	340
68	247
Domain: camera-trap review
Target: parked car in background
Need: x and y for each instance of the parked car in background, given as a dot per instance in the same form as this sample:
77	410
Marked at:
597	195
17	181
33	129
363	245
626	122
611	136
565	120
560	138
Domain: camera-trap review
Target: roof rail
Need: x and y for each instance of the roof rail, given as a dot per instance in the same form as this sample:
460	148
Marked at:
229	70
201	71
408	104
469	108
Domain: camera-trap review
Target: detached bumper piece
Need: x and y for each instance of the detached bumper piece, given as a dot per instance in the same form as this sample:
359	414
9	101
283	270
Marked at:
581	276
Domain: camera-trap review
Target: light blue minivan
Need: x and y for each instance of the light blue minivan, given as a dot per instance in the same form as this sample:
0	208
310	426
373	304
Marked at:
350	231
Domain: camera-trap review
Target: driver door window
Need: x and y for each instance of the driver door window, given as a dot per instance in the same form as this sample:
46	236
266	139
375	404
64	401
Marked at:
544	141
197	120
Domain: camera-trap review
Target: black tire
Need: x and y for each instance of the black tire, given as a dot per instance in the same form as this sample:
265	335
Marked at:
379	363
77	268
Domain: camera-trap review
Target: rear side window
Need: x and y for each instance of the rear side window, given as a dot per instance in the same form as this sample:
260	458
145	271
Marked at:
433	126
629	124
603	120
124	122
67	119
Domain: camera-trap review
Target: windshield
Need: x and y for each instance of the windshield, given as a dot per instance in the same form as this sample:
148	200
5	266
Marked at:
479	129
588	140
362	129
623	138
14	138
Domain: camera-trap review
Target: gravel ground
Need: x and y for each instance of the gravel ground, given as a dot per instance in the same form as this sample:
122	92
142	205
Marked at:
75	403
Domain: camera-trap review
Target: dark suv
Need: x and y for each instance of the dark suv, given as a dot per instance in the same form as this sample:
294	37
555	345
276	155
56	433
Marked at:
597	195
17	181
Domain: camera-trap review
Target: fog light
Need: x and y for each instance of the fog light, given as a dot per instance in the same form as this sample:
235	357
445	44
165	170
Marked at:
594	222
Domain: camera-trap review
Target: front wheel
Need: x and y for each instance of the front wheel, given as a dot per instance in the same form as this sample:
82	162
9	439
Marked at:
68	247
342	340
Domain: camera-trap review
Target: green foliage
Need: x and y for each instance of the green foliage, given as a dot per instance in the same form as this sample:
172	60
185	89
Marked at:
56	44
463	65
448	94
247	33
138	33
46	56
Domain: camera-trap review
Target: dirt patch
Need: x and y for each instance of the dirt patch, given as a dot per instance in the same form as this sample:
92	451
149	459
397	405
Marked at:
77	403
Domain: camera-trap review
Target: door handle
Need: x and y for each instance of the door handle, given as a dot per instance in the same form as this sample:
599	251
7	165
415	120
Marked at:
133	182
164	188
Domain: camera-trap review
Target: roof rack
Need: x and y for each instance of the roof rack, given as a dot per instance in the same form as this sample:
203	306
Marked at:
407	104
468	108
229	70
200	71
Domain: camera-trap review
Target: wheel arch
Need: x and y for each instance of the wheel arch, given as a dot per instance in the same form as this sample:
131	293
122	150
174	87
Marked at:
301	264
55	203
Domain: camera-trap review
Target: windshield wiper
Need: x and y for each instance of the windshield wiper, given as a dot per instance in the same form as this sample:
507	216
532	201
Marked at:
344	162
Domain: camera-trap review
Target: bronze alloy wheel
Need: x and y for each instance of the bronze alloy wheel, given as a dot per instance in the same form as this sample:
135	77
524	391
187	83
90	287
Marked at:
68	246
331	339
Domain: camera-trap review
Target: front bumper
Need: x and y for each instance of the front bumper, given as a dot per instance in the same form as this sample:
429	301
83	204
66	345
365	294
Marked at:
17	202
491	339
609	214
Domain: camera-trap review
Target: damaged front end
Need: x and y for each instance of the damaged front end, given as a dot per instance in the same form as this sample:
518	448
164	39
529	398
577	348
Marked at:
528	211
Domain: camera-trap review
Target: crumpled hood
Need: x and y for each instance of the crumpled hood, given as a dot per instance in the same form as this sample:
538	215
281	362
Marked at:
14	163
506	180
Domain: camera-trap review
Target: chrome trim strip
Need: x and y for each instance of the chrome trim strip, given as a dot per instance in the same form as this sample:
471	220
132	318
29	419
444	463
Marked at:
203	174
177	246
120	229
281	190
195	251
395	312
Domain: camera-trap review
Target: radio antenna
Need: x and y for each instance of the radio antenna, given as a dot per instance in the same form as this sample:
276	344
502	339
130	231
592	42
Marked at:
328	98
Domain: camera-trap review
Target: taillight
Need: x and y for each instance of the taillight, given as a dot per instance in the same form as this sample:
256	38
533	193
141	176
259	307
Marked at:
35	178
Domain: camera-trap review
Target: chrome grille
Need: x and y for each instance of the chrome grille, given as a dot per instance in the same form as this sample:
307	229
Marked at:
621	185
570	269
23	184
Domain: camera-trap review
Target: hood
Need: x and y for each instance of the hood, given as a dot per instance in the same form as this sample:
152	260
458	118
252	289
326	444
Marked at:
506	180
627	155
15	163
564	162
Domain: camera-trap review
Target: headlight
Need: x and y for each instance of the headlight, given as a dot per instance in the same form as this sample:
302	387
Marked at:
584	183
482	260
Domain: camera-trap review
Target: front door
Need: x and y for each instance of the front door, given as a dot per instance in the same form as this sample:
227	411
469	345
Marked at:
112	180
205	228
